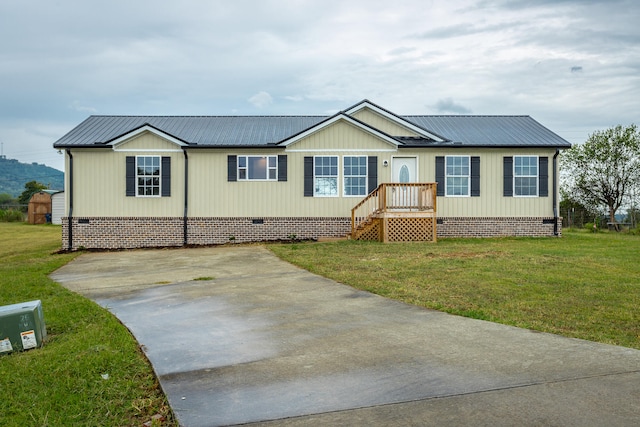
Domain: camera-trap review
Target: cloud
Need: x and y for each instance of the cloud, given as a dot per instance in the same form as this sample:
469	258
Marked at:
77	106
402	50
261	100
196	57
447	105
467	29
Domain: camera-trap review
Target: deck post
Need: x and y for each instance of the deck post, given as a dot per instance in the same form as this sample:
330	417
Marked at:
353	222
385	230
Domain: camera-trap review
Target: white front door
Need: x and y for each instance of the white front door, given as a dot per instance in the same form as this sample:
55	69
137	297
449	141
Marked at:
404	170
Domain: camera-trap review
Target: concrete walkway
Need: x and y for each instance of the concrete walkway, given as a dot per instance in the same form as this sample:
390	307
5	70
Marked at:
257	340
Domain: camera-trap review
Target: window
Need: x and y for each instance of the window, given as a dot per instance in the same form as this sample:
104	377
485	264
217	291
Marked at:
325	176
321	175
148	176
258	168
525	175
457	175
355	175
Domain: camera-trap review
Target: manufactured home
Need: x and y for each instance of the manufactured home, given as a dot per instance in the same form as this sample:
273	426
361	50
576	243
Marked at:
365	172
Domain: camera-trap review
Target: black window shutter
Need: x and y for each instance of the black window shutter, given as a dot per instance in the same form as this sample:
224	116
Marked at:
543	176
166	177
507	186
372	171
308	177
475	176
232	168
440	175
282	167
131	176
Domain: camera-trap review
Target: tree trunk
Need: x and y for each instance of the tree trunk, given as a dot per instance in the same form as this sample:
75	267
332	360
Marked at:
612	218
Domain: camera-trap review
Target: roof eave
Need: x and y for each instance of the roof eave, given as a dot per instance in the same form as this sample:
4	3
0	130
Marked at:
462	145
93	145
269	145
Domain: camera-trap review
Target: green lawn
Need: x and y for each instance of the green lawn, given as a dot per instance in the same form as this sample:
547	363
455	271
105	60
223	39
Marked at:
62	384
583	285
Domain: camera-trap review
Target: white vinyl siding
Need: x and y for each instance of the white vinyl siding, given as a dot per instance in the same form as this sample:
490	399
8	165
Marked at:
96	196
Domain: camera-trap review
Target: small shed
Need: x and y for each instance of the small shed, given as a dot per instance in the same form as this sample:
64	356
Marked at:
57	207
39	208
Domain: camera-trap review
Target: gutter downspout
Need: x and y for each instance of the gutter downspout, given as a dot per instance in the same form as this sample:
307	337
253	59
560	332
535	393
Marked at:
555	193
186	197
70	215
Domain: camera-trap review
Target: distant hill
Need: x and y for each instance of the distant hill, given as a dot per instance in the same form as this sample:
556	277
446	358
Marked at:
14	175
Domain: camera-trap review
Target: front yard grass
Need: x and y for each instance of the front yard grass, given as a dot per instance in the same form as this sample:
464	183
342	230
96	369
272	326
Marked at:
583	285
90	371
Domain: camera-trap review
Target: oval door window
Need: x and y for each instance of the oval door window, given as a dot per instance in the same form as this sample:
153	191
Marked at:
404	174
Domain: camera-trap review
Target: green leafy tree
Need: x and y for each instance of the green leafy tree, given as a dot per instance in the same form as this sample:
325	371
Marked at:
604	170
30	188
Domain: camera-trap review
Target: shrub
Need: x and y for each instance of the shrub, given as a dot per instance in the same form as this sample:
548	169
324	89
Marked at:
11	215
590	226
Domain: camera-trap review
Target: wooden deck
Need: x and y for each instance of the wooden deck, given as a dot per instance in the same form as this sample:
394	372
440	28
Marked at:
396	212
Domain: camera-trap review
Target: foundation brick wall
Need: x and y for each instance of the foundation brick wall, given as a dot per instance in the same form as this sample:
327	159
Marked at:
206	231
130	233
497	227
121	233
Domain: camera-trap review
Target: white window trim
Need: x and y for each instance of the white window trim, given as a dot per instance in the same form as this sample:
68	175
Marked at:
247	179
344	178
159	178
527	176
337	178
446	178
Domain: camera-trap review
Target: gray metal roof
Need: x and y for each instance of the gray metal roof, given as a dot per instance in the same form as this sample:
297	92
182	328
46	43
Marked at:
221	131
198	130
491	131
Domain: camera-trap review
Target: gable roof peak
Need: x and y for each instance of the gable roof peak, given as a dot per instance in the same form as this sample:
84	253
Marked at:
401	121
341	115
146	127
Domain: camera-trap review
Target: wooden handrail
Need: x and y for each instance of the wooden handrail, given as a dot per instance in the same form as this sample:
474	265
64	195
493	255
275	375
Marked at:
395	197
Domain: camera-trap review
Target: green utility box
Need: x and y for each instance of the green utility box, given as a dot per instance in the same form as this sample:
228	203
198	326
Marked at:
21	326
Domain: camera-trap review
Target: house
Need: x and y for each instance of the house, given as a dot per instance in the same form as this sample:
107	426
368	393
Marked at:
155	181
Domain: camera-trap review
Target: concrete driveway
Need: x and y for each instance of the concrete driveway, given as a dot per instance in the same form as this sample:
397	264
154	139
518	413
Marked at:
256	340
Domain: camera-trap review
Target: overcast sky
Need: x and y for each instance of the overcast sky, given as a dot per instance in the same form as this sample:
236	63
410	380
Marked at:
572	65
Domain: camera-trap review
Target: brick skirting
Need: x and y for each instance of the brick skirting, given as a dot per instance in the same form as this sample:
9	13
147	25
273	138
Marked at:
497	227
129	233
206	231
